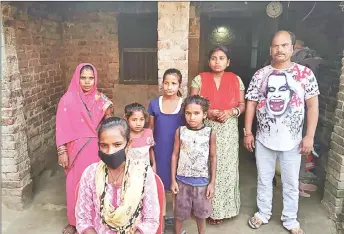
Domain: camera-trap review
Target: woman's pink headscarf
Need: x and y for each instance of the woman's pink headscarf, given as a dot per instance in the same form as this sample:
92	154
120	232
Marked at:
78	113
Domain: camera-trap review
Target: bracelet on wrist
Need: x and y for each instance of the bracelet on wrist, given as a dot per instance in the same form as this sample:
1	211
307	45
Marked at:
236	112
246	134
239	112
61	150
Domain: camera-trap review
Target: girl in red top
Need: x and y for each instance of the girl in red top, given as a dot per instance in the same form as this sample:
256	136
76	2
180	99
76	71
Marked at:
141	138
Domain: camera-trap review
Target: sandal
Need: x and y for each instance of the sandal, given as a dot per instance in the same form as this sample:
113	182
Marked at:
308	187
254	222
215	221
304	194
169	221
296	231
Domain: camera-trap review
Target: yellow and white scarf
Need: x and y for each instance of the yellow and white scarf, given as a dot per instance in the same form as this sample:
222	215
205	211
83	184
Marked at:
125	217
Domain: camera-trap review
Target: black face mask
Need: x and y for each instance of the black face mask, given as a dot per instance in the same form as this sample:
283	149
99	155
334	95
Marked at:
113	160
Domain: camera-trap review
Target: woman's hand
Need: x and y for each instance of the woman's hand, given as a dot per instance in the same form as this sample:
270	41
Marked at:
224	115
63	160
109	112
213	114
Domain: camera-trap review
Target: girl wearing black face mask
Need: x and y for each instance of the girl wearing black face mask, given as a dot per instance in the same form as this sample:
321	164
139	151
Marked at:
117	189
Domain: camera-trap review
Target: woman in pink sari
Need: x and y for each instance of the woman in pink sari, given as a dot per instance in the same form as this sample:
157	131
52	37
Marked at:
79	113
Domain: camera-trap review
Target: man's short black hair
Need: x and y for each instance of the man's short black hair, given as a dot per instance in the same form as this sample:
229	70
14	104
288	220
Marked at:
292	36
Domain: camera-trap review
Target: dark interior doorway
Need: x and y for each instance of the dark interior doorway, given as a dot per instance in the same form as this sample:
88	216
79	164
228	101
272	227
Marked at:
236	33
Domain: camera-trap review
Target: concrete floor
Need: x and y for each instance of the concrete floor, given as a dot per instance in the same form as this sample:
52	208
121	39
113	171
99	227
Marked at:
47	212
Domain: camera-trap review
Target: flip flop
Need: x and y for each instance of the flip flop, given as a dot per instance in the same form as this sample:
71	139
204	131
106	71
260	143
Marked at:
308	187
169	221
296	231
254	222
304	194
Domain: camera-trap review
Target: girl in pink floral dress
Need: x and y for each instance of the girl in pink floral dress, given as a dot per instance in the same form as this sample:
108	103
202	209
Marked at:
142	139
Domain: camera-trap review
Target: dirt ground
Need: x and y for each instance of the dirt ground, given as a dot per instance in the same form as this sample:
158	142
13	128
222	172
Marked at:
47	214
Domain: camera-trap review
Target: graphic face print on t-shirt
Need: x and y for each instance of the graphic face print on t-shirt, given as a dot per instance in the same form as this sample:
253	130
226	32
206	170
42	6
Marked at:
278	94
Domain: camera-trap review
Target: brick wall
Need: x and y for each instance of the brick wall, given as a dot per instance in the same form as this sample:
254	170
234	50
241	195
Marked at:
328	80
93	37
40	57
194	42
330	129
327	77
40	54
173	32
15	162
334	185
34	55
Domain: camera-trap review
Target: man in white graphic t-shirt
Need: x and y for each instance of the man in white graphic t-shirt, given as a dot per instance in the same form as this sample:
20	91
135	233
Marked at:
278	94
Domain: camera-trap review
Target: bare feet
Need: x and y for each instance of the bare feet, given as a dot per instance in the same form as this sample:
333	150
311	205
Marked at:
69	229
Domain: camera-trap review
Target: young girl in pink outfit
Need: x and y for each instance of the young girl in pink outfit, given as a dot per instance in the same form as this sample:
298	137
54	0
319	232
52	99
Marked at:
142	139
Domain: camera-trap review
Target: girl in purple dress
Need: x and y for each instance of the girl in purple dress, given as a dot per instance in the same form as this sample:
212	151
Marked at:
165	118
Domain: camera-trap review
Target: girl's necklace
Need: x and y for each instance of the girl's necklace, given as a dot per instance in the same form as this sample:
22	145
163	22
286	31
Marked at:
115	180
